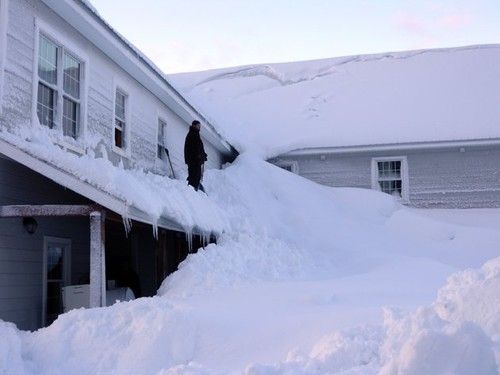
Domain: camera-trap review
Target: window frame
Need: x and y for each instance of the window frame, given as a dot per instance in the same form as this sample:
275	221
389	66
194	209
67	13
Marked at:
405	186
75	51
124	151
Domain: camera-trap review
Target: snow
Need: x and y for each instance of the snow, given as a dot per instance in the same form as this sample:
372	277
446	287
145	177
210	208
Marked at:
156	196
305	279
415	96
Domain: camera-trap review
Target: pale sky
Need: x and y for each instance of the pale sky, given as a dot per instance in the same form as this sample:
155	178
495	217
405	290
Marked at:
192	35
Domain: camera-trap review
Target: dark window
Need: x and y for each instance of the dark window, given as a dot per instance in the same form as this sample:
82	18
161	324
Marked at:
120	102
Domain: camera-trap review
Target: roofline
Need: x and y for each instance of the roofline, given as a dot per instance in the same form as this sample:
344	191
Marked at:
93	29
87	190
393	147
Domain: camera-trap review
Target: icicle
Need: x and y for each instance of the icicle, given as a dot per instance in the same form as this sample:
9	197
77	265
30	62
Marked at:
155	228
189	239
127	222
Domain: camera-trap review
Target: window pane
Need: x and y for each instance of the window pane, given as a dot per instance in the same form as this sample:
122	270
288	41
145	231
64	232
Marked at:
389	169
47	60
161	138
45	105
71	76
161	132
120	105
70	118
119	141
54	262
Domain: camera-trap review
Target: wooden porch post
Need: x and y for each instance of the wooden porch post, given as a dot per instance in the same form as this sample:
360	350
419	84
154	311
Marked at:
97	259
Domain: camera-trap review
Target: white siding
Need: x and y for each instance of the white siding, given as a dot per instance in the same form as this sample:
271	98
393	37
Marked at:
103	76
445	178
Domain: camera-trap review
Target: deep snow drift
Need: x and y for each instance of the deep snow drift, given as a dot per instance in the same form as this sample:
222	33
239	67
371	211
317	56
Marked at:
305	279
426	95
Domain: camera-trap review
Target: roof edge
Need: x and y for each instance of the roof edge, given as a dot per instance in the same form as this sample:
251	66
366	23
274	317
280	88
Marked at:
484	142
156	76
93	193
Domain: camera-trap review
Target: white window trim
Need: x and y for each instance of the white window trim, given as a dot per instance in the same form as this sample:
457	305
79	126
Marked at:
4	20
68	45
124	89
66	242
405	181
293	164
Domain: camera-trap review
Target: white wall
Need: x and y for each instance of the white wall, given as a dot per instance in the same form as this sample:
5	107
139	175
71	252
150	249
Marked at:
437	178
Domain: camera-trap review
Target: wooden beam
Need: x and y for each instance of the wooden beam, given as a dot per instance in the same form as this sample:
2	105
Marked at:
46	210
97	259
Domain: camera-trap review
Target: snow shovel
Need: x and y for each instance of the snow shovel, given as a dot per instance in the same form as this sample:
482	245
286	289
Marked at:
169	161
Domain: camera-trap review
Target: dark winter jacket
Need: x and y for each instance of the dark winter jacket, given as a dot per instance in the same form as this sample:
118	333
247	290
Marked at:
194	152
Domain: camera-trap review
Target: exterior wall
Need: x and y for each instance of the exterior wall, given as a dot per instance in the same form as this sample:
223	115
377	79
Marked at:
21	254
438	178
102	76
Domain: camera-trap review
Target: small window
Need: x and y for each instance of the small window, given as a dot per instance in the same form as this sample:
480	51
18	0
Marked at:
55	85
161	138
389	177
286	167
120	123
289	165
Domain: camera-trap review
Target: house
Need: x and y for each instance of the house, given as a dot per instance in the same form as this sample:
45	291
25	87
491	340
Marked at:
447	174
422	125
85	119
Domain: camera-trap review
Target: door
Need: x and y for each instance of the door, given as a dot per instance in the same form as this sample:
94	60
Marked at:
56	274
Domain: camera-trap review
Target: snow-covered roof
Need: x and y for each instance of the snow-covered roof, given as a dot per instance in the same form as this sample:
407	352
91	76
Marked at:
382	99
84	17
132	193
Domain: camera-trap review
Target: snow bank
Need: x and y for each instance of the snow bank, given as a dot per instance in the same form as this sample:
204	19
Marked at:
295	285
458	334
356	100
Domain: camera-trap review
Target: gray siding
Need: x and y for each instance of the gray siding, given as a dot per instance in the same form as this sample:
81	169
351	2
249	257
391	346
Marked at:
21	254
102	76
438	178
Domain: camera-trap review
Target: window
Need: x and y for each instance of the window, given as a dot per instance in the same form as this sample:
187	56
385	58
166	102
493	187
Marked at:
161	138
288	165
120	122
389	176
58	84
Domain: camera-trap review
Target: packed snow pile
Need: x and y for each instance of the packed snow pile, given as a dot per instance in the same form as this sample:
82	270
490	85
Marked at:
297	284
154	195
426	95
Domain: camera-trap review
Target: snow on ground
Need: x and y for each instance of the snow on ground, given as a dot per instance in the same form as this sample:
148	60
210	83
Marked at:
426	95
305	279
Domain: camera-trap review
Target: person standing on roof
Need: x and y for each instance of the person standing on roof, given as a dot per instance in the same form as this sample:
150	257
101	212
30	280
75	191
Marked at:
194	155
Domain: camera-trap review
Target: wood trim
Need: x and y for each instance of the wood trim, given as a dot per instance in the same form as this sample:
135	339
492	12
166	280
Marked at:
48	210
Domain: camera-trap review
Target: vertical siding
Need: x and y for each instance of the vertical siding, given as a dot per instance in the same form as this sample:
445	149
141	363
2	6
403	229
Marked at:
21	254
444	178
